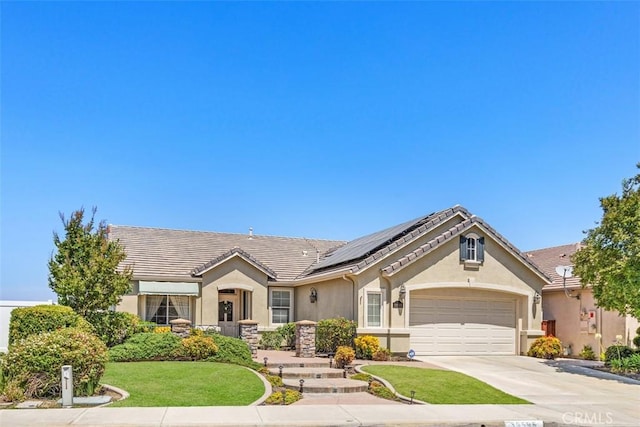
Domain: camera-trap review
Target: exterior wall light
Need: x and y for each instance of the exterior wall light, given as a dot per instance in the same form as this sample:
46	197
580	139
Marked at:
536	298
313	296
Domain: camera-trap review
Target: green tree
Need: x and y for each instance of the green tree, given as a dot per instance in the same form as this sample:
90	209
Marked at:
83	271
610	257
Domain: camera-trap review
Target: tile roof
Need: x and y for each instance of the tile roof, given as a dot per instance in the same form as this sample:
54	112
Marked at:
548	259
230	254
455	231
175	254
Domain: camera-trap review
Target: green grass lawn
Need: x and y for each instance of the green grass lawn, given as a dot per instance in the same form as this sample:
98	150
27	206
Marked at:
438	386
183	383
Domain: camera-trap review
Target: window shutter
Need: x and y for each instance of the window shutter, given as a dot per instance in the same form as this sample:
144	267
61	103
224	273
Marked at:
463	248
480	249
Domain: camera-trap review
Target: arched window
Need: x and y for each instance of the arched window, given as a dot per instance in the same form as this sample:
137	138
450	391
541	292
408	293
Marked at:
472	248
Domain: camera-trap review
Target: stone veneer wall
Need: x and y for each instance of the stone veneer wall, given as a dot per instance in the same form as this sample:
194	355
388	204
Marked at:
249	334
306	338
181	327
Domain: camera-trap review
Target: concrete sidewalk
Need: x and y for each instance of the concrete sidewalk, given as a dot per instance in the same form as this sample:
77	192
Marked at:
318	415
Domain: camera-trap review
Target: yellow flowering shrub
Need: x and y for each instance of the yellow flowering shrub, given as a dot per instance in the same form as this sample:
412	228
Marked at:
366	346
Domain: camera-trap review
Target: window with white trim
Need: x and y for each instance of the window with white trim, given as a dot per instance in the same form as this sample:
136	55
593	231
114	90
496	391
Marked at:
281	306
161	309
375	302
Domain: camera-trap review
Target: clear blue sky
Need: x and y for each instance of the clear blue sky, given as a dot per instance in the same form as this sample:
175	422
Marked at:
327	120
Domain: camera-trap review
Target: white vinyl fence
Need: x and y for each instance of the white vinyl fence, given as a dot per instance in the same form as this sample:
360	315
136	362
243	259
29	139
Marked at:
6	307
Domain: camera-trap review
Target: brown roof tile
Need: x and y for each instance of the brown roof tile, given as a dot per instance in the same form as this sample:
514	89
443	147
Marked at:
175	254
548	259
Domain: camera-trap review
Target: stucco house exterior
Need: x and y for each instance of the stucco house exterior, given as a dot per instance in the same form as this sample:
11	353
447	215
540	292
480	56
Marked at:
577	319
443	283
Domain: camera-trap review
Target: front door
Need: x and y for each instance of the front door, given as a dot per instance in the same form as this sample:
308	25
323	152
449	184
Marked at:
228	314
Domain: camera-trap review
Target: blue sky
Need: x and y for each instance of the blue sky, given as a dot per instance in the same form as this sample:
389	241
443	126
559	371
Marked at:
327	120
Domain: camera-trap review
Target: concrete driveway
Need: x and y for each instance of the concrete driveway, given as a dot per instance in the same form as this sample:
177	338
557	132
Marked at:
587	396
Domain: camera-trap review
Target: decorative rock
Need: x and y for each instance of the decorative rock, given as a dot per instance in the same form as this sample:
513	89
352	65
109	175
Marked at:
306	338
249	334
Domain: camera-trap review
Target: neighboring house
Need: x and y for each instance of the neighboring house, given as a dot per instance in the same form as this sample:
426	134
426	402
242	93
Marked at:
571	311
444	283
6	307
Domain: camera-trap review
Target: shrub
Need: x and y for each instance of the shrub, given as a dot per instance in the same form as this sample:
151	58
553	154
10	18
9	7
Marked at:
333	333
366	345
232	350
290	396
113	327
545	348
271	340
26	321
587	353
198	347
288	333
616	352
636	339
382	355
146	346
32	366
161	330
344	356
361	377
274	380
629	364
381	391
144	326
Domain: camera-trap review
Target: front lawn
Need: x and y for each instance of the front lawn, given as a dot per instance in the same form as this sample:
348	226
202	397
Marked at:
438	386
184	384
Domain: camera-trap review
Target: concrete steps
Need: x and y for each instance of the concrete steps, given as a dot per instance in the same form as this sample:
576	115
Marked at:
318	378
327	385
316	373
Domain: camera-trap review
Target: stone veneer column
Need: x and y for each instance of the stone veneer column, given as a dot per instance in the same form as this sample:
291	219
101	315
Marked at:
305	338
249	334
181	327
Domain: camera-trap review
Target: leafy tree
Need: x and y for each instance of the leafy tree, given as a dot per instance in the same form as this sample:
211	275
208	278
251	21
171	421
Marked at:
610	258
84	270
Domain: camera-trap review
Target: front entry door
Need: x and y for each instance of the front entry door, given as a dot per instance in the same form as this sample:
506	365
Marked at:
228	314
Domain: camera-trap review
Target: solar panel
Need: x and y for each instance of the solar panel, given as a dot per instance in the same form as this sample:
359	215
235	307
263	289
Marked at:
362	246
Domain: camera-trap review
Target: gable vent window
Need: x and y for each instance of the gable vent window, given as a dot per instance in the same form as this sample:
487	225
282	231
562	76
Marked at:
472	248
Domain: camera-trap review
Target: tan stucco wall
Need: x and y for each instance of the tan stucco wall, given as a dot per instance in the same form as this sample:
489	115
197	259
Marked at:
335	299
129	304
235	271
571	328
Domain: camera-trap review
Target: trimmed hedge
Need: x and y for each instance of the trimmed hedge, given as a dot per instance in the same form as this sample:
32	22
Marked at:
32	367
333	333
26	321
232	350
146	346
617	352
113	327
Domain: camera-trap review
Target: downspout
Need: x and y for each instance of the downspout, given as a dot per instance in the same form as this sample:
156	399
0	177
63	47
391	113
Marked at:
353	296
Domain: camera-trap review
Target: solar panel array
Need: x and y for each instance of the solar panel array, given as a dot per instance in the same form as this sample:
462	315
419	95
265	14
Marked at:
363	246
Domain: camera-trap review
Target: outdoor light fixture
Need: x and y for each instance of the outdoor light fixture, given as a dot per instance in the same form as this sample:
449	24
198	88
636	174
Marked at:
413	394
313	296
403	292
536	298
280	370
265	361
301	385
344	372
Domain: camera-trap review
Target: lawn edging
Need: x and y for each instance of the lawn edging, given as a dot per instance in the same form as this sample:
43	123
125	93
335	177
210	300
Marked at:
267	388
121	392
389	386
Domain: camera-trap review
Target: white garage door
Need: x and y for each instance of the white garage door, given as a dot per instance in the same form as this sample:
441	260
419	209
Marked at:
462	326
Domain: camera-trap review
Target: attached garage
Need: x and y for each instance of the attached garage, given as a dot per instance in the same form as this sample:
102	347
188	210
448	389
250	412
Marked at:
468	324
